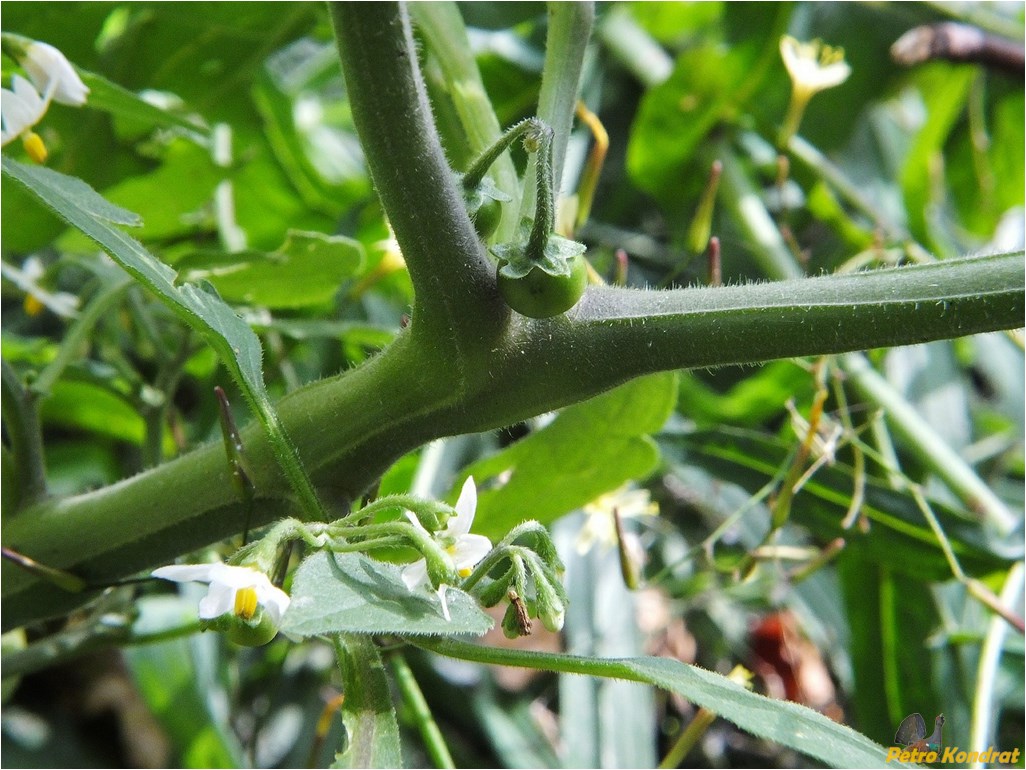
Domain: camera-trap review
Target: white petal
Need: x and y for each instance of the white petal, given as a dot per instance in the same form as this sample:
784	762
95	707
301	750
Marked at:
26	93
238	577
220	600
49	69
833	74
21	108
416	522
445	604
789	52
32	268
466	507
185	573
274	601
470	549
62	303
415	575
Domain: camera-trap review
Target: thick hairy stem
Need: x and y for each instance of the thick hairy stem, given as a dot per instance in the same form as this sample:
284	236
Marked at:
351	428
453	278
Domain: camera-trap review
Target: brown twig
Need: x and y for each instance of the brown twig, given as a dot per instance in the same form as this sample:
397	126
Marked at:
959	43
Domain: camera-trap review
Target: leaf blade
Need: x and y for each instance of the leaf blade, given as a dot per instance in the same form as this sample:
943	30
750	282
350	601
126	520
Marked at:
353	593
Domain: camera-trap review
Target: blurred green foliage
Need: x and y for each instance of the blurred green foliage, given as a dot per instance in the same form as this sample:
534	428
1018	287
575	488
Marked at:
250	176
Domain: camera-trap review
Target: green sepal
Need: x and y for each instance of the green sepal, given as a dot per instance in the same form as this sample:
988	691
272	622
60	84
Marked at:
255	632
555	259
486	191
440	569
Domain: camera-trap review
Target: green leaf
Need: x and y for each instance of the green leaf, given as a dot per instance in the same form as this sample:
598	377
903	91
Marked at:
91	407
783	722
944	88
173	200
236	344
891	617
72	192
306	270
353	593
710	83
82	207
373	733
755	400
119	101
590	448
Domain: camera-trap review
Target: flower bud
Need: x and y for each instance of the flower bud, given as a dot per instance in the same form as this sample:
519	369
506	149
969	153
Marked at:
551	607
440	568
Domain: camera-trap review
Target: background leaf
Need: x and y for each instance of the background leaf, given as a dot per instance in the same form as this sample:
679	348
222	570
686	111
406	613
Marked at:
307	269
590	448
786	723
373	735
80	205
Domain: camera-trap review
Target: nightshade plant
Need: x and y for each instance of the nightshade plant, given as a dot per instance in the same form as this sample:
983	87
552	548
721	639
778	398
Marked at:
334	491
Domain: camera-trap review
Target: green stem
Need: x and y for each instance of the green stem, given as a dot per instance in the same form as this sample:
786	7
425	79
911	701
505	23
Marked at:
453	279
429	509
21	421
565	42
545	216
411	694
367	710
921	439
442	27
353	427
76	641
480	167
687	739
793	118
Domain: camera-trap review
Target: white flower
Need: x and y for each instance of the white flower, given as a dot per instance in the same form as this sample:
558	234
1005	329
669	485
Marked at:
466	550
27	279
600	528
24	104
813	66
21	108
235	590
52	74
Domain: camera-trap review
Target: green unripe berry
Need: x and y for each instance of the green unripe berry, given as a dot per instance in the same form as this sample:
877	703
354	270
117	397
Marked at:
487	217
255	632
542	295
